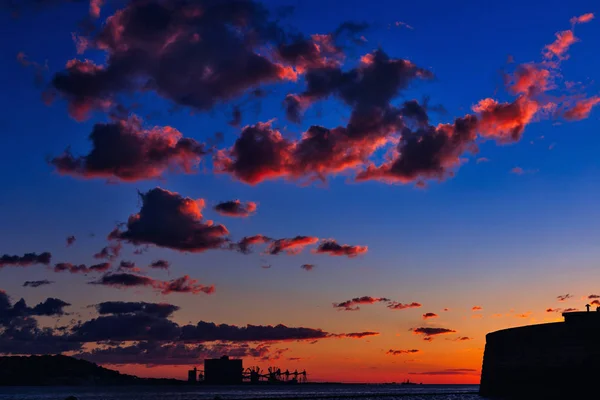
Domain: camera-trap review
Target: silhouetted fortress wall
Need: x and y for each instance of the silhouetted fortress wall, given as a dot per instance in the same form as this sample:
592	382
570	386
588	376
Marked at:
546	360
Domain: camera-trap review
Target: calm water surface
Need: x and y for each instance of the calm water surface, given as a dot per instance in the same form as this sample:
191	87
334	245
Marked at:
340	392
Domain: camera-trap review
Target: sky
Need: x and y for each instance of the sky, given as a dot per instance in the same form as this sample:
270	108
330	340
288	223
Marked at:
362	192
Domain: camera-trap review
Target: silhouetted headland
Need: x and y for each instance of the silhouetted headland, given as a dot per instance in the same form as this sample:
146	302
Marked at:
553	360
58	370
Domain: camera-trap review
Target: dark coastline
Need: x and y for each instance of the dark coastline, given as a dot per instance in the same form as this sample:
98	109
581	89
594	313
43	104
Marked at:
59	370
79	378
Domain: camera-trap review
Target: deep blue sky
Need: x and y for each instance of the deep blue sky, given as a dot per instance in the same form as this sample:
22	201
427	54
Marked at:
483	236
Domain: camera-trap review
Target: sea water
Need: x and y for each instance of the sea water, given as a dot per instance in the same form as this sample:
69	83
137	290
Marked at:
297	392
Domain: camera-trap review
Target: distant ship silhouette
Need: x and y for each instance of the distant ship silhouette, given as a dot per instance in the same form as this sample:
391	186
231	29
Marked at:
408	382
552	360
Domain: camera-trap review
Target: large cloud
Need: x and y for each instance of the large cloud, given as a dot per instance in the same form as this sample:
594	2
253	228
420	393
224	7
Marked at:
194	53
208	331
152	353
434	152
122	321
126	327
422	151
124	150
367	89
167	219
158	338
143	326
429	152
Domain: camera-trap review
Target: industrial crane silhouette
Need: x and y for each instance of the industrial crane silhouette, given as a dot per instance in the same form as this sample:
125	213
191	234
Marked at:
302	376
297	376
253	374
273	375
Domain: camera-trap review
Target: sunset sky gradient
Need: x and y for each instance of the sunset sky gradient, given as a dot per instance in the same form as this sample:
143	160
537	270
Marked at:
375	185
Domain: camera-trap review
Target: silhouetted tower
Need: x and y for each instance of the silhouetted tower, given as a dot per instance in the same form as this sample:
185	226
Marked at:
223	371
192	375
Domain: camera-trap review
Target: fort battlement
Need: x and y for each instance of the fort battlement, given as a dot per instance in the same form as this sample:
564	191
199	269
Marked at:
544	360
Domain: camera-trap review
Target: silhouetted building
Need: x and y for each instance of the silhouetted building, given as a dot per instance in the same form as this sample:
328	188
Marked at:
193	375
553	360
223	371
